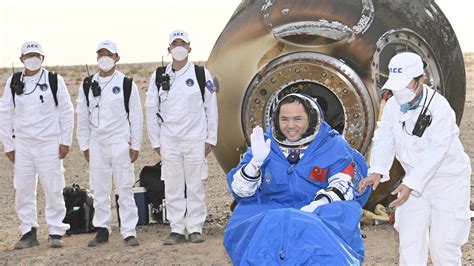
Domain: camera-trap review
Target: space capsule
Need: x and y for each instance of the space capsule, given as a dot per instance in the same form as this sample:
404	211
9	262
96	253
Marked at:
335	50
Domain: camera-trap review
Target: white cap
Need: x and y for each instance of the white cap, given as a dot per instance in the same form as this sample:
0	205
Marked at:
108	45
179	34
31	47
403	68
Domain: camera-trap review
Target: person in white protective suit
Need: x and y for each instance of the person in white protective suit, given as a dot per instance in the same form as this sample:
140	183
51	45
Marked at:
418	128
36	124
110	138
182	127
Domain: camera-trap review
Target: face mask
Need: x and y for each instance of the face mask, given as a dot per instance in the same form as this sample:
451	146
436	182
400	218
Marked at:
106	63
404	96
33	63
179	53
411	105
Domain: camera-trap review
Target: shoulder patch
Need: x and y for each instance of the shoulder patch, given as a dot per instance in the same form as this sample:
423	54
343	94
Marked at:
210	86
349	170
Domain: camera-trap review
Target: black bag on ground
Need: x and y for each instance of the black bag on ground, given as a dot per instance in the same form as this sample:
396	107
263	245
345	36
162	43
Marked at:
150	178
79	209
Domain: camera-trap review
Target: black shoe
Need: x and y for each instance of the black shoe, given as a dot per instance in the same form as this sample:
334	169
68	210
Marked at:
196	238
131	241
27	240
55	241
174	238
101	237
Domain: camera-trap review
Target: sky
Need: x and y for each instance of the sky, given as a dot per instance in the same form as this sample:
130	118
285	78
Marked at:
69	31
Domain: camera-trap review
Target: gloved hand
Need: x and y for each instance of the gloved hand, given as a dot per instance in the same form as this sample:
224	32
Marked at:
314	204
260	147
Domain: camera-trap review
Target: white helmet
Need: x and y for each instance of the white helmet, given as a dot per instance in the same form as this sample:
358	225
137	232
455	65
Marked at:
315	117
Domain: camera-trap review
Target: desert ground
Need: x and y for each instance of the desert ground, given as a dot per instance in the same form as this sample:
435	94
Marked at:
381	240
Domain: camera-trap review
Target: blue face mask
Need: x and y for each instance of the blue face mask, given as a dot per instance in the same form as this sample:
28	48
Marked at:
412	105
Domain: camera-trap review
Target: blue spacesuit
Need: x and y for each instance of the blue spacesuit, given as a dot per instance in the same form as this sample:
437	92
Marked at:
268	227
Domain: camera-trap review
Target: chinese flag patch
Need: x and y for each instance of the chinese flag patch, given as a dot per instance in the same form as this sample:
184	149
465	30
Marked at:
349	170
318	174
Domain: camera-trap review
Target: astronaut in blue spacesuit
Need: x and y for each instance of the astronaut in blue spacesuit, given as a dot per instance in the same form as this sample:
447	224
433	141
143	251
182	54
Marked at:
295	192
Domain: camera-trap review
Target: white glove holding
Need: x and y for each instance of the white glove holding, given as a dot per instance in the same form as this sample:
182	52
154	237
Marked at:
260	147
314	204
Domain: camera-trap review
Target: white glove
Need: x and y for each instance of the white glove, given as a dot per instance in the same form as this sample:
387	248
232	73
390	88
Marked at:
314	204
260	147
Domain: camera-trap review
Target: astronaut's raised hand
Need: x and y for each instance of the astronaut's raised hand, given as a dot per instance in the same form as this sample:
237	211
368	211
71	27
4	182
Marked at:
260	147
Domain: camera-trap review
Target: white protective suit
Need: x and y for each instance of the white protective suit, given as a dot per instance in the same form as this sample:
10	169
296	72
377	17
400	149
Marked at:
188	123
436	215
108	133
34	128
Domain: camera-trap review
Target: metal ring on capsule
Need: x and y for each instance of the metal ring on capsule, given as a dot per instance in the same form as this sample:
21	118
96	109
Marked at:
315	32
400	40
342	95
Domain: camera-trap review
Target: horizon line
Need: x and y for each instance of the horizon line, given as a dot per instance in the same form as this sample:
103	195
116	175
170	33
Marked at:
150	62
